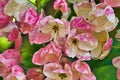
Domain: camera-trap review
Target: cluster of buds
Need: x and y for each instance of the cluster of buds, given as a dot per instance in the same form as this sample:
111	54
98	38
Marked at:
84	37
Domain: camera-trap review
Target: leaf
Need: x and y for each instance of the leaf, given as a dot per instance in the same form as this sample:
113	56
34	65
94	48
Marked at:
105	73
27	51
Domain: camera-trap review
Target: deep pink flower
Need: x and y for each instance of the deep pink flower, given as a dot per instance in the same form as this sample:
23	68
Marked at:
51	53
62	5
7	62
81	70
2	4
82	25
28	19
54	71
4	20
35	74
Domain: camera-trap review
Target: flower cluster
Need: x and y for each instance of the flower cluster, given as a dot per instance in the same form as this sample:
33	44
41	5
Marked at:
81	37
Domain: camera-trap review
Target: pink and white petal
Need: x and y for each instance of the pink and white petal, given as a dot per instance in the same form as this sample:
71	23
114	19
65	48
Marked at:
49	68
118	74
71	51
39	37
39	57
86	41
97	51
89	76
116	62
18	72
81	67
108	44
53	53
109	12
113	3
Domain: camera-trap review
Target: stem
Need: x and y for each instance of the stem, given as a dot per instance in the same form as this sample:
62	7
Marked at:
38	6
115	47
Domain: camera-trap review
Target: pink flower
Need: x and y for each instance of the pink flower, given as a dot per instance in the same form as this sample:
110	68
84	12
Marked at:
79	43
116	63
51	53
35	74
82	25
113	3
2	4
14	7
104	45
28	19
103	17
7	62
4	20
62	5
49	29
83	8
81	71
54	71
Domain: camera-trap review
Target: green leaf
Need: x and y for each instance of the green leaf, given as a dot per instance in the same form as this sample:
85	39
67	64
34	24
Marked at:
4	44
27	51
105	73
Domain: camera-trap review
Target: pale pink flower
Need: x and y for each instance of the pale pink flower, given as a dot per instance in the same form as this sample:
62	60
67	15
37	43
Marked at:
14	7
35	74
104	45
113	3
49	29
79	43
116	63
103	17
81	71
62	5
54	71
51	53
83	8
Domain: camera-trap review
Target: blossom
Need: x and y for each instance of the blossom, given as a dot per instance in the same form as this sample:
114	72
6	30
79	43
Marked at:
55	71
8	62
4	20
104	45
80	43
115	3
116	63
2	5
49	29
51	53
83	8
61	4
28	18
81	70
14	7
35	74
103	17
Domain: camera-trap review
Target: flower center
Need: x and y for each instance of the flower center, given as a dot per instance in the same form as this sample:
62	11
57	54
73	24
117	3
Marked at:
74	41
62	76
55	28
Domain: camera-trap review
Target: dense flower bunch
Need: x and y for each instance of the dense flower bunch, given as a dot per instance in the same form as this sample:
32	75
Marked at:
82	37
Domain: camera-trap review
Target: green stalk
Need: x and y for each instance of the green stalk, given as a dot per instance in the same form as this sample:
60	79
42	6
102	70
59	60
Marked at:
38	6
